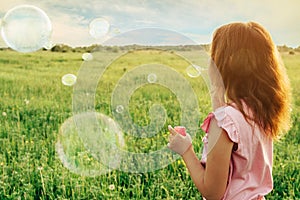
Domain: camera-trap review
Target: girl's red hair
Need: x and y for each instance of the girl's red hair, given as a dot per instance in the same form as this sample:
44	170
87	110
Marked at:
253	73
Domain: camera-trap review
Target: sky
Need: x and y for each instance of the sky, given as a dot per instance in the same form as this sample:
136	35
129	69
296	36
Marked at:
195	19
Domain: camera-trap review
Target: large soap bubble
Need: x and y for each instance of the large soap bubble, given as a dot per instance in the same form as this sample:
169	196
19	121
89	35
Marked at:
26	28
149	88
77	157
142	90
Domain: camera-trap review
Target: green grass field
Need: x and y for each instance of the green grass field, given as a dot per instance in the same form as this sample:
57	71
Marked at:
34	104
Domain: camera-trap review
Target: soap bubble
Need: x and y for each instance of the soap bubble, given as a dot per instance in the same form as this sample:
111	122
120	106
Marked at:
116	31
69	79
75	153
26	28
152	78
142	110
193	71
101	136
119	109
87	56
99	28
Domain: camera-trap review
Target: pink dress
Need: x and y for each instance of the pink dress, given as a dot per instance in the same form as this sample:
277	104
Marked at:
250	175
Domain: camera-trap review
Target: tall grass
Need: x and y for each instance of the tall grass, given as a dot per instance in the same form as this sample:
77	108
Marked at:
34	104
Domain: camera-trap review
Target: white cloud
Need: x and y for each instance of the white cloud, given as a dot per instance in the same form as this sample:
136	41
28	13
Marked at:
195	18
67	31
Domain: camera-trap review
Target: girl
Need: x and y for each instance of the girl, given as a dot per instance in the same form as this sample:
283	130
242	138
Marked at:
236	161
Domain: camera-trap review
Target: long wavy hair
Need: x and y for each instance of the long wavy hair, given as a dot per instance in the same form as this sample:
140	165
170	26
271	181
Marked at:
254	74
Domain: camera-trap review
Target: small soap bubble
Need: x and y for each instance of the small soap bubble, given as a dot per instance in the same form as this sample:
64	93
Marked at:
152	78
119	109
193	71
116	31
69	79
87	56
99	28
26	28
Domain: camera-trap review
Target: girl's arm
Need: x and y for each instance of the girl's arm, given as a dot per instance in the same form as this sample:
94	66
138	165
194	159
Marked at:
211	181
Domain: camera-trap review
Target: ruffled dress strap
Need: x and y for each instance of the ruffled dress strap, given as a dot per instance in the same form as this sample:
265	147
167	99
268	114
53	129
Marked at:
226	119
206	122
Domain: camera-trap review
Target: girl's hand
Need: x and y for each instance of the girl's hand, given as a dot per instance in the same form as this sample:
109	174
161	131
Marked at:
178	142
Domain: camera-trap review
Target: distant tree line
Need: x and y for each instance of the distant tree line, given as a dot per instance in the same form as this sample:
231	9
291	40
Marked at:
290	50
65	48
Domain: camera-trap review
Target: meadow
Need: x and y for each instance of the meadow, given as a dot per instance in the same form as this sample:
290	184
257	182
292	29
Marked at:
34	104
